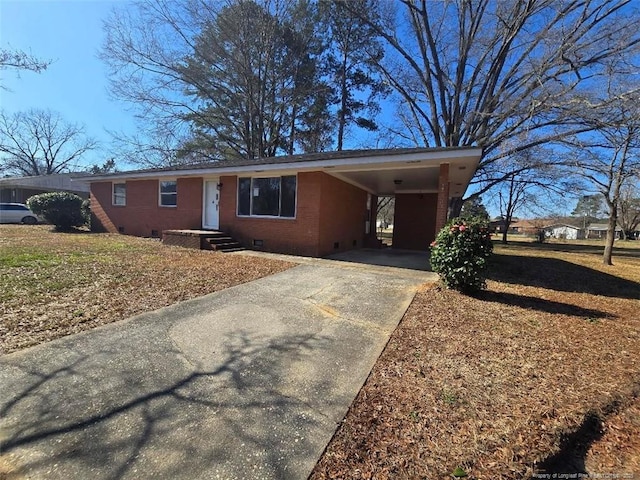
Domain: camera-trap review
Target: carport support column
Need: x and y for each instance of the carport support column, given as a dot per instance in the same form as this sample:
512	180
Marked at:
442	209
373	216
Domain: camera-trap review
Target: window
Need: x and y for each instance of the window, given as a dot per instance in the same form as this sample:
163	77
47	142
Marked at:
169	193
288	196
120	194
269	196
14	207
244	196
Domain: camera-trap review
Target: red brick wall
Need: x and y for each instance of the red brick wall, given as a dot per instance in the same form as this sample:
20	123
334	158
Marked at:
328	210
297	236
343	213
414	220
142	214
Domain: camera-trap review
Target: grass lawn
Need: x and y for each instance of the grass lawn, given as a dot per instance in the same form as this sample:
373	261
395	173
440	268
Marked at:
539	373
54	284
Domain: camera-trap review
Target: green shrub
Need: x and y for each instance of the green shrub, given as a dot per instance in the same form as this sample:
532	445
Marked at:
62	209
460	254
86	211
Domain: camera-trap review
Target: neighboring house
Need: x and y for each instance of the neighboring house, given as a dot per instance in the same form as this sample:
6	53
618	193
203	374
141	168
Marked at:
524	227
312	204
564	231
19	189
599	230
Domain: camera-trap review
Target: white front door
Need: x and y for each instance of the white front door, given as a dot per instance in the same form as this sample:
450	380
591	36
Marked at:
211	210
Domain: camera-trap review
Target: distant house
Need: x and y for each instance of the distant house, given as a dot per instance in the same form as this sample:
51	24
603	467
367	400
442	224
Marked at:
564	231
19	189
525	227
599	230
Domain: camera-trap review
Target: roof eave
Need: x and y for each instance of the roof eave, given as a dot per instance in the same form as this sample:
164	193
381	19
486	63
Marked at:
417	156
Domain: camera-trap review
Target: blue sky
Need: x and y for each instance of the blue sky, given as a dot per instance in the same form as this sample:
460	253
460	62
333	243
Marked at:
75	84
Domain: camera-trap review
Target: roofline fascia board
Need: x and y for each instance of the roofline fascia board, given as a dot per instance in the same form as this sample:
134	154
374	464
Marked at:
417	158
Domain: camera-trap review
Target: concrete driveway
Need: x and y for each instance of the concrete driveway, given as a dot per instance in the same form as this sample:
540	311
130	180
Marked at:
247	383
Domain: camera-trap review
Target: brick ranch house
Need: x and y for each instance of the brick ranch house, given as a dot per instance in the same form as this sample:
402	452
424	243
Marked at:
311	204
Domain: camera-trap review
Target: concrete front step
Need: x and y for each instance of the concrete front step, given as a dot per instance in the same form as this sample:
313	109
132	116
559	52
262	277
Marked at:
201	239
224	245
219	239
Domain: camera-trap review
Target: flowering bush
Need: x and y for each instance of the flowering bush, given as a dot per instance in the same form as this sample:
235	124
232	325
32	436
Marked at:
460	254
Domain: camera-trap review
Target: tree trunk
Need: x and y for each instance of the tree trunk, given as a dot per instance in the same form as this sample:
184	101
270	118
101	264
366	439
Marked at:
608	244
506	224
455	207
292	131
342	113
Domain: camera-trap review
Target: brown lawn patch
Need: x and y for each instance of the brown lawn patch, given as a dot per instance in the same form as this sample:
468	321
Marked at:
54	284
539	373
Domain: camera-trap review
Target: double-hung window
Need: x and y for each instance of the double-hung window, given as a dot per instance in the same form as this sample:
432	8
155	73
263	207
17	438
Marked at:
120	194
168	193
267	196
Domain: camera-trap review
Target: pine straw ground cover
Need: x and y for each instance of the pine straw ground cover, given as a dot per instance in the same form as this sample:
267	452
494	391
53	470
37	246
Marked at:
54	284
539	374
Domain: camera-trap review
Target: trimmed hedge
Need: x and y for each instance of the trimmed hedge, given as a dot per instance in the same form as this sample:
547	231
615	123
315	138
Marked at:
62	209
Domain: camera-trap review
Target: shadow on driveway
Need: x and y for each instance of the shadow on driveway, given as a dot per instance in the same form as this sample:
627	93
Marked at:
168	425
386	257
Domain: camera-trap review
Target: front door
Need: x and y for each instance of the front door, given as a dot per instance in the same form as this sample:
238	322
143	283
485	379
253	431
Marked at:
211	211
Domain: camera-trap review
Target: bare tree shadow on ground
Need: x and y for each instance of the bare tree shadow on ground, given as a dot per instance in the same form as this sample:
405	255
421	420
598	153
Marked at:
559	275
168	425
542	305
575	446
630	250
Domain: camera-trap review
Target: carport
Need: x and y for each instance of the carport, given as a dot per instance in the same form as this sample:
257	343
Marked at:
423	184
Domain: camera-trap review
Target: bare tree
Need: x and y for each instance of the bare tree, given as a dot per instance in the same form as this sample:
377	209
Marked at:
385	211
513	195
235	77
143	47
533	185
608	158
629	209
39	142
21	60
483	72
154	145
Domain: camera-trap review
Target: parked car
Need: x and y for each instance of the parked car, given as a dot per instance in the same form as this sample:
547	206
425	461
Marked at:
17	213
